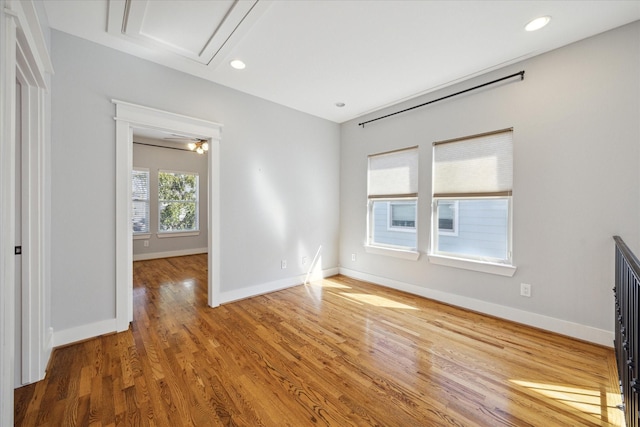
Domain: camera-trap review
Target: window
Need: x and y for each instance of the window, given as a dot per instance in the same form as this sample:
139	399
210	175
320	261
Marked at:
393	195
140	195
448	217
402	215
472	187
178	201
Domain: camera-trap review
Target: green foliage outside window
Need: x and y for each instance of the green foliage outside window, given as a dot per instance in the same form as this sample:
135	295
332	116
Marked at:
178	200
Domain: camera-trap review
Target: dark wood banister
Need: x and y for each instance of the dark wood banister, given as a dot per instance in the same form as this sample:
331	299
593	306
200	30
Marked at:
632	260
627	324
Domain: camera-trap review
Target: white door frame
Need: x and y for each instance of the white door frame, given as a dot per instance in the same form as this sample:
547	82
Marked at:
23	54
128	117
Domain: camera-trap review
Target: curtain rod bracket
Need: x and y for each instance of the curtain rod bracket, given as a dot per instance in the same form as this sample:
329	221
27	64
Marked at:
520	73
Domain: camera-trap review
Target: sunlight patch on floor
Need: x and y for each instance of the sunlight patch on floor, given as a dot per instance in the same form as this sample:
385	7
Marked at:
602	405
377	301
328	284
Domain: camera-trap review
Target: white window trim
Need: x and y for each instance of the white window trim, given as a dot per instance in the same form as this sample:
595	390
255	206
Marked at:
141	236
385	188
407	254
169	234
507	270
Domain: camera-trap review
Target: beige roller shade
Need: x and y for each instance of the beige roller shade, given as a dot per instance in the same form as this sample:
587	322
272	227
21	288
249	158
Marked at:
480	165
393	174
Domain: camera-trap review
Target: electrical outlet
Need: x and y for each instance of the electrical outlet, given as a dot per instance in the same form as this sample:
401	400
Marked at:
283	264
525	289
353	257
146	243
304	260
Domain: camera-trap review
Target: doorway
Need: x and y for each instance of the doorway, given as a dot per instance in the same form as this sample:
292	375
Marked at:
170	197
128	117
23	57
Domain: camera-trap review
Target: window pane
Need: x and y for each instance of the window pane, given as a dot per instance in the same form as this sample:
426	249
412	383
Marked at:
140	216
483	226
177	186
140	185
401	236
178	216
140	196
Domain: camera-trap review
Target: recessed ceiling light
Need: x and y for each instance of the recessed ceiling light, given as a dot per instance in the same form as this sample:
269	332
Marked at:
340	104
537	23
238	64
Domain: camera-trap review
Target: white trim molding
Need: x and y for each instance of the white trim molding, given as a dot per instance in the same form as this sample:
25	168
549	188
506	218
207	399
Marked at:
84	332
23	56
169	254
392	252
474	265
7	213
265	288
564	327
129	116
171	234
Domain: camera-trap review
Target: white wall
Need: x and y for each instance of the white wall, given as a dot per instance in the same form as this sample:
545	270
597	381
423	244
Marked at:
156	158
577	149
278	180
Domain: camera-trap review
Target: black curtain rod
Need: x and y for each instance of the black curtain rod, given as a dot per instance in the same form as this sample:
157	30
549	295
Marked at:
521	74
162	146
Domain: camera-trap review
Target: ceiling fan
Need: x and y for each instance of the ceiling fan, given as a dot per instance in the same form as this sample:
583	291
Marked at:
198	145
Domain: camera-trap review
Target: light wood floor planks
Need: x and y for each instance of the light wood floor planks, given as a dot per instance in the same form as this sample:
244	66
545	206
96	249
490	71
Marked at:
335	353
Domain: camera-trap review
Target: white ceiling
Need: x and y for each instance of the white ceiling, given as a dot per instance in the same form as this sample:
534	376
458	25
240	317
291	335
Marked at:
309	55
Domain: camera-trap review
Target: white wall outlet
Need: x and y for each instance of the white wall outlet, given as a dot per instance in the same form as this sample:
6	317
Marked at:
304	260
146	243
283	264
525	289
353	257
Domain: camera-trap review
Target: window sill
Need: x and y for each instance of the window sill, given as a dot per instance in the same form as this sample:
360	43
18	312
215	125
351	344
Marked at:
397	253
178	234
467	264
142	236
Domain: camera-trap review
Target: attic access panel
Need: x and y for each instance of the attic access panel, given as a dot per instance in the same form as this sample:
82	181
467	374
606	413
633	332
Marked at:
196	30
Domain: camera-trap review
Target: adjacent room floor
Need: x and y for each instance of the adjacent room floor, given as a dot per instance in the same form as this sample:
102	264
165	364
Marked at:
338	352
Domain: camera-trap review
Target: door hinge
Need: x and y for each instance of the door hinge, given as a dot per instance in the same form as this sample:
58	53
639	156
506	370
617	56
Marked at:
18	250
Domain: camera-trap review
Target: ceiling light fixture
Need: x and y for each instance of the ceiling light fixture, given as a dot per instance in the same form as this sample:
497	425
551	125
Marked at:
340	104
537	23
238	64
199	146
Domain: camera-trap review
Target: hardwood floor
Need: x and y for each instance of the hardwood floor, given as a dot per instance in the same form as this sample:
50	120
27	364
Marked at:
336	353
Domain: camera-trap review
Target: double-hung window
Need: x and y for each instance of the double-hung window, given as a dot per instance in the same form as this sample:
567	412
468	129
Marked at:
140	199
472	188
177	201
392	219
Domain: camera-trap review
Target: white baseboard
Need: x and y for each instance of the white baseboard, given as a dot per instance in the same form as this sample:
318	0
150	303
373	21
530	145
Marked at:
92	330
169	254
265	288
564	327
80	333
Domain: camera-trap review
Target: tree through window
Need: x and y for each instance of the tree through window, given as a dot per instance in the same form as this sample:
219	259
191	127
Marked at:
178	201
